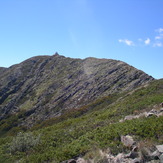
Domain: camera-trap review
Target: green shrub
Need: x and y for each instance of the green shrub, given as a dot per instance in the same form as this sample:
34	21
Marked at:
23	142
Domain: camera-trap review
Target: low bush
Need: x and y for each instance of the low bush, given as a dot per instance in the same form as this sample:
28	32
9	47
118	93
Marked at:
23	142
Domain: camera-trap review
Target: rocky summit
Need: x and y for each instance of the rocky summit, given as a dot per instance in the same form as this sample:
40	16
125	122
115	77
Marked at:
45	86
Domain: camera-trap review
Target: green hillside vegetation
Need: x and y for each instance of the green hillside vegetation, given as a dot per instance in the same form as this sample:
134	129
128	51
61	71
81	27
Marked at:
82	131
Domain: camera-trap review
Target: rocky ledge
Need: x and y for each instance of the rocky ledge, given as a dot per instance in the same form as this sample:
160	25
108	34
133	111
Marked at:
137	154
153	112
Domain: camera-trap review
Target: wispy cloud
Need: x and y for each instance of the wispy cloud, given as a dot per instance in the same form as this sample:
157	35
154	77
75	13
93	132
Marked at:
159	34
160	30
156	41
158	37
73	38
158	44
126	41
147	41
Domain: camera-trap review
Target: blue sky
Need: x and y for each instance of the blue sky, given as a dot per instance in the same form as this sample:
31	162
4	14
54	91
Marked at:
127	30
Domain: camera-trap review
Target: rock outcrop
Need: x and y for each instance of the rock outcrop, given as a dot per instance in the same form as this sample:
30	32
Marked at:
45	86
154	112
136	154
127	141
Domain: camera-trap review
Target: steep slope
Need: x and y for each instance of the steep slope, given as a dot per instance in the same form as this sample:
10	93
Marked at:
83	134
46	86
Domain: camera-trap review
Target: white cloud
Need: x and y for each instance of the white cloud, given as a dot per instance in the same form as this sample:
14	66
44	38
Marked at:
160	30
160	34
127	42
147	41
158	37
158	44
157	40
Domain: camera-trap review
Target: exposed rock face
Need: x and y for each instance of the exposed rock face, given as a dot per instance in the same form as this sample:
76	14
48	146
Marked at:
134	156
161	158
153	112
160	148
45	86
71	161
127	141
81	160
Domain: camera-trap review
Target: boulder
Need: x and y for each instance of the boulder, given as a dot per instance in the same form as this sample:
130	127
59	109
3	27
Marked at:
110	157
132	155
155	155
129	117
161	104
149	114
161	158
160	148
71	161
137	160
121	120
119	158
154	161
160	114
127	141
153	112
80	160
142	114
135	148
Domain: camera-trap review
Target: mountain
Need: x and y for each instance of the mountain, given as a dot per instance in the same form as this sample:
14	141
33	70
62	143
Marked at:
64	110
44	87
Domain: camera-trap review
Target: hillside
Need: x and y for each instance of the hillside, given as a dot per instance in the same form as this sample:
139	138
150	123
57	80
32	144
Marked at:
55	109
82	132
46	86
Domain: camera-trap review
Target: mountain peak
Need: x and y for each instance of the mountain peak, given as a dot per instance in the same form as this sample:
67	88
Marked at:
53	84
56	54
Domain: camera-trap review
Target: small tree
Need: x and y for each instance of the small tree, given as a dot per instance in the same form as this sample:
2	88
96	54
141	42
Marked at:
24	142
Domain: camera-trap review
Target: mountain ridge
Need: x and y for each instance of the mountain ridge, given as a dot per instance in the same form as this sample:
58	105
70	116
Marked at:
46	86
58	109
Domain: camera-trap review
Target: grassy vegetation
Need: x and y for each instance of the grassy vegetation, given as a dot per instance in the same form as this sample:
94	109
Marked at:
86	129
